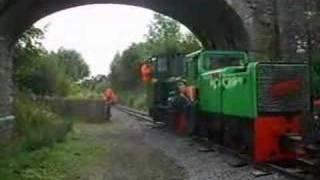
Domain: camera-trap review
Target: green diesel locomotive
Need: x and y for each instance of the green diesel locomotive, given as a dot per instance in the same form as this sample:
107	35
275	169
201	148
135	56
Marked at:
250	106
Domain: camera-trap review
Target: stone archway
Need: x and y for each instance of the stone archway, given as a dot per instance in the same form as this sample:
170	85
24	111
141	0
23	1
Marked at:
214	22
257	26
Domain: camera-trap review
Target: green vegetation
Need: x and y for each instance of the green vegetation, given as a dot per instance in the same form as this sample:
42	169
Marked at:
164	37
36	146
91	151
43	73
38	126
134	99
63	161
38	73
37	151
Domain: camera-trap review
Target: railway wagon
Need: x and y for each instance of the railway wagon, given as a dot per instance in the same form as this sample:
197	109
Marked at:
254	107
167	70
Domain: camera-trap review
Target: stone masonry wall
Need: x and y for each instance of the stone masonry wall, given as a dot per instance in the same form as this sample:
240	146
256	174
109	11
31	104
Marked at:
275	27
91	110
6	118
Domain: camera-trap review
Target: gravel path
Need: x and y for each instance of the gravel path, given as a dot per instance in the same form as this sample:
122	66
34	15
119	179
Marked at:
198	166
125	155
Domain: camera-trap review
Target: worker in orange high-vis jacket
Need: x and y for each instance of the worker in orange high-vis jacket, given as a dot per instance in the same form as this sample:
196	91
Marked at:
146	72
110	98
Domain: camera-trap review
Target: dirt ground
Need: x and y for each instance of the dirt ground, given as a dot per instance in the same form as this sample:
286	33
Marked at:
127	155
124	149
196	165
129	149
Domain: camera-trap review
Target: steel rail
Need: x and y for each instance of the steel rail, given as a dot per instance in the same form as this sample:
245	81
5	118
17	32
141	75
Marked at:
133	112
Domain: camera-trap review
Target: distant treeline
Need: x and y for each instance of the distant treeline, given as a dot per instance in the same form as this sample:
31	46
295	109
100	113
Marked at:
42	73
164	37
64	73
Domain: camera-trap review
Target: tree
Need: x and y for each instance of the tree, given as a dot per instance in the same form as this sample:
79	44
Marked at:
39	72
73	63
125	68
47	79
96	83
26	53
164	37
189	43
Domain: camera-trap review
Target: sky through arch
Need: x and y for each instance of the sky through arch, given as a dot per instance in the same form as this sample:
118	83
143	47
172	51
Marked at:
98	32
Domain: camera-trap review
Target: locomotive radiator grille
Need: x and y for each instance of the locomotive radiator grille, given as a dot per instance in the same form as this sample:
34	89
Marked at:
283	88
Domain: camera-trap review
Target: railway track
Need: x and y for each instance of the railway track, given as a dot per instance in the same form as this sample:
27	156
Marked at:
136	113
295	172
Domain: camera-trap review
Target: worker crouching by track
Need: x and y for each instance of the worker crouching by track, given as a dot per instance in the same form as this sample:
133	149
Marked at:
110	98
180	106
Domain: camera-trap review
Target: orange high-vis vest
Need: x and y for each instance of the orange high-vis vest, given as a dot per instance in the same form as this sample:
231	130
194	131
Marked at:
191	93
146	73
316	103
110	96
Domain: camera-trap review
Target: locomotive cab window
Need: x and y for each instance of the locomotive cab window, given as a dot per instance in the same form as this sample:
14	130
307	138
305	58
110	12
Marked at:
213	62
162	65
191	69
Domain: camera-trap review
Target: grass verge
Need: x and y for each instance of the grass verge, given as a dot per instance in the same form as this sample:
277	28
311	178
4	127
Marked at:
62	161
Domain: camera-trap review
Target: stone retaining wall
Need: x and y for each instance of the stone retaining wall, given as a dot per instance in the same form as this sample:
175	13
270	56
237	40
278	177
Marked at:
91	110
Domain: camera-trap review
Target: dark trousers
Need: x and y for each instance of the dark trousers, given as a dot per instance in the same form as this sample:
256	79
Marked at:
107	111
191	117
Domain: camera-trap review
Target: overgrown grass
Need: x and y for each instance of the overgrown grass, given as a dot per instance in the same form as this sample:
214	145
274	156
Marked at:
64	161
36	153
37	126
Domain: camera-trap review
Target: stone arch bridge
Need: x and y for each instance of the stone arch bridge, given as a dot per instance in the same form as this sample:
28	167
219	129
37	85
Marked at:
265	28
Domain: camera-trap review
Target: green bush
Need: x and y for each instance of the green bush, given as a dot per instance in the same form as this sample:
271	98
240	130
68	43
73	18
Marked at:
38	126
140	102
135	100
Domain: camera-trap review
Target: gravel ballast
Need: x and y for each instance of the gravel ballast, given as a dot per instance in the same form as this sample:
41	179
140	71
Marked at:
184	152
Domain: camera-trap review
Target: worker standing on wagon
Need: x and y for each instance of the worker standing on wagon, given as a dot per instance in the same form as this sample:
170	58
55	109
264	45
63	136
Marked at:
146	72
110	98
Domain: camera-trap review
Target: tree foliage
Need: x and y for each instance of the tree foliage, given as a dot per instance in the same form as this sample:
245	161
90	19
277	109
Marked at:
164	37
73	63
125	68
42	73
65	72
